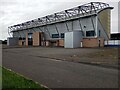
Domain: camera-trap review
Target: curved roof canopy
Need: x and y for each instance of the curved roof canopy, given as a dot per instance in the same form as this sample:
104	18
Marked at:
88	9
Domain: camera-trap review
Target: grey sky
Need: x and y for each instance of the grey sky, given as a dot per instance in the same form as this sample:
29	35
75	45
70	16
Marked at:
18	11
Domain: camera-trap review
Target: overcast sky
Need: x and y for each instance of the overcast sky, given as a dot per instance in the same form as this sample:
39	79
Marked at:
18	11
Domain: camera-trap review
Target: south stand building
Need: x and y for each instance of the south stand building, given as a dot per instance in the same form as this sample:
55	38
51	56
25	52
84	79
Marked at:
87	25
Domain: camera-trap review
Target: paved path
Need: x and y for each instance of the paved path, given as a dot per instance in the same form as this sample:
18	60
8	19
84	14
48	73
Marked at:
60	74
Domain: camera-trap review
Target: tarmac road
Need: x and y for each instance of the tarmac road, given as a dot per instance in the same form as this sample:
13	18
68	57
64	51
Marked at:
60	74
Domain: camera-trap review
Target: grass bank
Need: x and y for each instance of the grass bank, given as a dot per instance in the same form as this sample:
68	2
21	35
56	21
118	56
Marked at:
13	81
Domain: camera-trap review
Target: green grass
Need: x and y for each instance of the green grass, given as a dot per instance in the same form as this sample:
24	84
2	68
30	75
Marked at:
0	78
13	81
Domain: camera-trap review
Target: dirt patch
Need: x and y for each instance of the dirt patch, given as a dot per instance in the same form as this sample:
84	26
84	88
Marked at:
104	56
104	53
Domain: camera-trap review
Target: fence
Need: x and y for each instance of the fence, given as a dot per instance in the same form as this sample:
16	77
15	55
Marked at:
112	43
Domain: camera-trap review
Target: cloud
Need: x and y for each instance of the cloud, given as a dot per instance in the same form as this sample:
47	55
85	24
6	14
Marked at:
18	11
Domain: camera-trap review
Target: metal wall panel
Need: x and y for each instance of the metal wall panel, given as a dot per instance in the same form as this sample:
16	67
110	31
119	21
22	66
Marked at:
76	25
12	41
68	41
62	27
73	39
82	24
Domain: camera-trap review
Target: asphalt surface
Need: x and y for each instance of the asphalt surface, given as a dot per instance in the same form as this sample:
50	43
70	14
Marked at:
60	74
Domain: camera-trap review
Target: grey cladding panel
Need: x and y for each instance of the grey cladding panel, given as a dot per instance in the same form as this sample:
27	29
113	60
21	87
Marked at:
87	24
52	29
21	33
69	24
76	25
61	27
16	34
46	33
37	29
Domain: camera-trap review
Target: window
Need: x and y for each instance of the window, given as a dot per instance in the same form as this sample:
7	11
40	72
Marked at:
20	38
23	38
62	35
99	33
55	35
29	36
90	33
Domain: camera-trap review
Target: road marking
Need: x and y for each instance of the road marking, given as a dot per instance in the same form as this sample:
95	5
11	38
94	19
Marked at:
55	60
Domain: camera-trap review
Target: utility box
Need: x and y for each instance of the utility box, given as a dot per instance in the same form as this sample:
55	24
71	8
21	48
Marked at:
73	39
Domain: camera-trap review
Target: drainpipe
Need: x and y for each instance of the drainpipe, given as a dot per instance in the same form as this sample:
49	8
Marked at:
96	25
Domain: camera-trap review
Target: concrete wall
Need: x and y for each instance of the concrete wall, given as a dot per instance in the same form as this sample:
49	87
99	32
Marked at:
12	41
104	23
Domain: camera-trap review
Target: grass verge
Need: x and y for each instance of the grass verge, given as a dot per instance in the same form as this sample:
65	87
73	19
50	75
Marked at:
13	81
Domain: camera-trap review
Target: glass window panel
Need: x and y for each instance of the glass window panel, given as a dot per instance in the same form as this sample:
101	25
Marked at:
90	33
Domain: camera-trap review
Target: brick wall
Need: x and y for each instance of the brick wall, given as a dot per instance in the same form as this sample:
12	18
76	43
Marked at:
21	43
93	42
61	42
26	39
36	38
101	42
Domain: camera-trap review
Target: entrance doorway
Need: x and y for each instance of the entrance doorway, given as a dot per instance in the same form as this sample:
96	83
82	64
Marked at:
30	39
